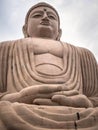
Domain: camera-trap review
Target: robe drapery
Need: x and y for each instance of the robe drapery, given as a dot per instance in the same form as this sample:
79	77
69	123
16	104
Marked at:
17	71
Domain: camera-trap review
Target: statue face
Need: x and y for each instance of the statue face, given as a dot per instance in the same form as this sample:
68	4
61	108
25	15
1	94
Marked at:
43	22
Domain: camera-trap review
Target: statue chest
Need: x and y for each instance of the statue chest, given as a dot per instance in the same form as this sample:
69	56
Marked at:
48	57
48	64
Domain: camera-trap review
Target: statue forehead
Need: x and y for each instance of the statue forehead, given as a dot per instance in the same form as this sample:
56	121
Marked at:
43	8
41	4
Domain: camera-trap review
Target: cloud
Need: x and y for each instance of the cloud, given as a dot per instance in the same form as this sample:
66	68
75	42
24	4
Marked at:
80	24
79	20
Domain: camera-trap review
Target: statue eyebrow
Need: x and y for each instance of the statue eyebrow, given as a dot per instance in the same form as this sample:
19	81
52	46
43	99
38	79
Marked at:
41	11
37	11
49	12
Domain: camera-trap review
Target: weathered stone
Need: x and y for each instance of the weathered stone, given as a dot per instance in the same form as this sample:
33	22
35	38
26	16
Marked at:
45	83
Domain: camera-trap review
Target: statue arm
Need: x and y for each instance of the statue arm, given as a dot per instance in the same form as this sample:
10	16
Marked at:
5	48
89	71
89	68
29	94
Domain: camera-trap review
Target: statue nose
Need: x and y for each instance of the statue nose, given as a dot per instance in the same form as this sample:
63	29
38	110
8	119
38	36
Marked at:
45	16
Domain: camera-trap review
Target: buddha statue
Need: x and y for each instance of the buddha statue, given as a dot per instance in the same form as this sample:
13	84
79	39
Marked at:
46	83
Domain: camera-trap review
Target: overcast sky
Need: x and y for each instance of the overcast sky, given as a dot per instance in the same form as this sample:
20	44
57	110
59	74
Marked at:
79	20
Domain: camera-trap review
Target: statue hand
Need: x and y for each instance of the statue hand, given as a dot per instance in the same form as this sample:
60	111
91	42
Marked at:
29	94
43	101
40	94
78	100
46	98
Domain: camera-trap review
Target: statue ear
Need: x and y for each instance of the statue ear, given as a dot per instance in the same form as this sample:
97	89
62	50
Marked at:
24	29
59	35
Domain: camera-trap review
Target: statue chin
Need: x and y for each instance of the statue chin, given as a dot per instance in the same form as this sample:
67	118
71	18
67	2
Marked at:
45	32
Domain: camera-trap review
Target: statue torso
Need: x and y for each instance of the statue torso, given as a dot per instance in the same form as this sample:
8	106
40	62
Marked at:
48	57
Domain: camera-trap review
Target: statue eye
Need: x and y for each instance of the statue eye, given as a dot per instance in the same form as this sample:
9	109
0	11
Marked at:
36	15
51	16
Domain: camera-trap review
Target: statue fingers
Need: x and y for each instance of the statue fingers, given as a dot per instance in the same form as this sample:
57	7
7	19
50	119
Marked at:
41	101
42	95
39	89
67	93
30	98
62	100
73	101
26	99
50	88
81	101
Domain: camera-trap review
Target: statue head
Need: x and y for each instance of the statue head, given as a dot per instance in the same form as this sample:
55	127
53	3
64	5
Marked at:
42	20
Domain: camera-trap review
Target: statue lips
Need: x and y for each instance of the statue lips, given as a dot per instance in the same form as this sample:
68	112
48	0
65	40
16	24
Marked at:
45	22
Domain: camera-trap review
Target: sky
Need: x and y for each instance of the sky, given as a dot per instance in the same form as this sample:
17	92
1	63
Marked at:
79	20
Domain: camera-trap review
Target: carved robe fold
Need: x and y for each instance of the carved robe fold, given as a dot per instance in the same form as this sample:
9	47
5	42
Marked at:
18	70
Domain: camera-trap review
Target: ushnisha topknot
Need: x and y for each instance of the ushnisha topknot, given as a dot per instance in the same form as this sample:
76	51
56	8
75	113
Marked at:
38	5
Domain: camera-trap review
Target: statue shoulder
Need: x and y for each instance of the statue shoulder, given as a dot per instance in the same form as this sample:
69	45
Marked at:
87	55
85	51
82	52
3	43
12	42
6	44
79	49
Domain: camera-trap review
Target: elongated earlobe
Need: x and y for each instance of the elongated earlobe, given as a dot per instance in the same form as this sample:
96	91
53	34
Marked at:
59	35
24	29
